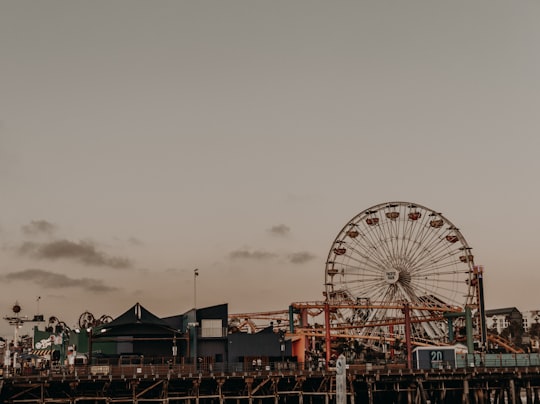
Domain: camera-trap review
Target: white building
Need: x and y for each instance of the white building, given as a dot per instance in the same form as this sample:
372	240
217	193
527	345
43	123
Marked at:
530	317
499	319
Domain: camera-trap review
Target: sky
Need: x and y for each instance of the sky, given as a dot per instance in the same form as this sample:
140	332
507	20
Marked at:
141	140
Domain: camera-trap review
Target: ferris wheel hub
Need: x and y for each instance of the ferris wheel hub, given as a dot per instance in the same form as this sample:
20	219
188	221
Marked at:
391	276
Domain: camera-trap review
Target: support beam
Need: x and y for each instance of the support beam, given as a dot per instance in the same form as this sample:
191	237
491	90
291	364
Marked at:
327	327
408	344
465	397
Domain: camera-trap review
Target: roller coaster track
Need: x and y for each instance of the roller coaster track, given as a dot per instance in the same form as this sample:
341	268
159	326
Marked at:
388	338
316	308
502	342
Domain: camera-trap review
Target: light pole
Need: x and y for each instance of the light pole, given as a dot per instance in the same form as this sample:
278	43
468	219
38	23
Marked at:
174	349
195	274
282	345
89	332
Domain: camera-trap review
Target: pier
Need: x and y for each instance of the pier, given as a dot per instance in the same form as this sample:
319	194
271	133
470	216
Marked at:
164	384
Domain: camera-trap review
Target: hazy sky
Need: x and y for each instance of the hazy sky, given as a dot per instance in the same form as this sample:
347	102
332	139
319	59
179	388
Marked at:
140	140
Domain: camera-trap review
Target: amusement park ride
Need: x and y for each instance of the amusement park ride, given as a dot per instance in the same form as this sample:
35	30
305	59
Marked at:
398	274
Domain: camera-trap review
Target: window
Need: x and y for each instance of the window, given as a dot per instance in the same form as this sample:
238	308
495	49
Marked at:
211	328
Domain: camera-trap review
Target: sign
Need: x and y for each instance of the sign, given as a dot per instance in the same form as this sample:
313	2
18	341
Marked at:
434	357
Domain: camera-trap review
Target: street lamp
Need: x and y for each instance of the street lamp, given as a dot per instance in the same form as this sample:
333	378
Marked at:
195	274
282	345
174	349
89	332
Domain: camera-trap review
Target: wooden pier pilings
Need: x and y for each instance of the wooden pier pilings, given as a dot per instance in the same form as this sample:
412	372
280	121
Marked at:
471	386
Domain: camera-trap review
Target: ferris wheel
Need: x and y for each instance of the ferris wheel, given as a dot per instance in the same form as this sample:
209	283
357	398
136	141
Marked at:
393	254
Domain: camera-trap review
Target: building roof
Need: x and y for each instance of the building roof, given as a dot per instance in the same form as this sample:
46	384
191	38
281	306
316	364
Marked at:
135	321
500	312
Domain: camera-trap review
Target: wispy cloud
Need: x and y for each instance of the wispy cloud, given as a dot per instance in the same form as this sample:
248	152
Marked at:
135	241
251	255
173	270
301	257
51	280
279	230
37	227
83	251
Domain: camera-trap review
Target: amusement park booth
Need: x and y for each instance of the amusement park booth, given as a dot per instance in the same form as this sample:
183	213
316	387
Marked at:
436	357
50	344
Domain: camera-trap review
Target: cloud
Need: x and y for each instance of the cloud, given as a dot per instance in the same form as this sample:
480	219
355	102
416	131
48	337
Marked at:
51	280
301	257
251	255
173	270
279	230
84	252
37	227
135	241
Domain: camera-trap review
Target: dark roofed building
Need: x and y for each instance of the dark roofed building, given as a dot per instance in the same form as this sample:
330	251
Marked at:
137	331
199	336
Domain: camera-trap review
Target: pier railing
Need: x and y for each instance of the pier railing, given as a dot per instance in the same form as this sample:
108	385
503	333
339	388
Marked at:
164	368
502	360
151	370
